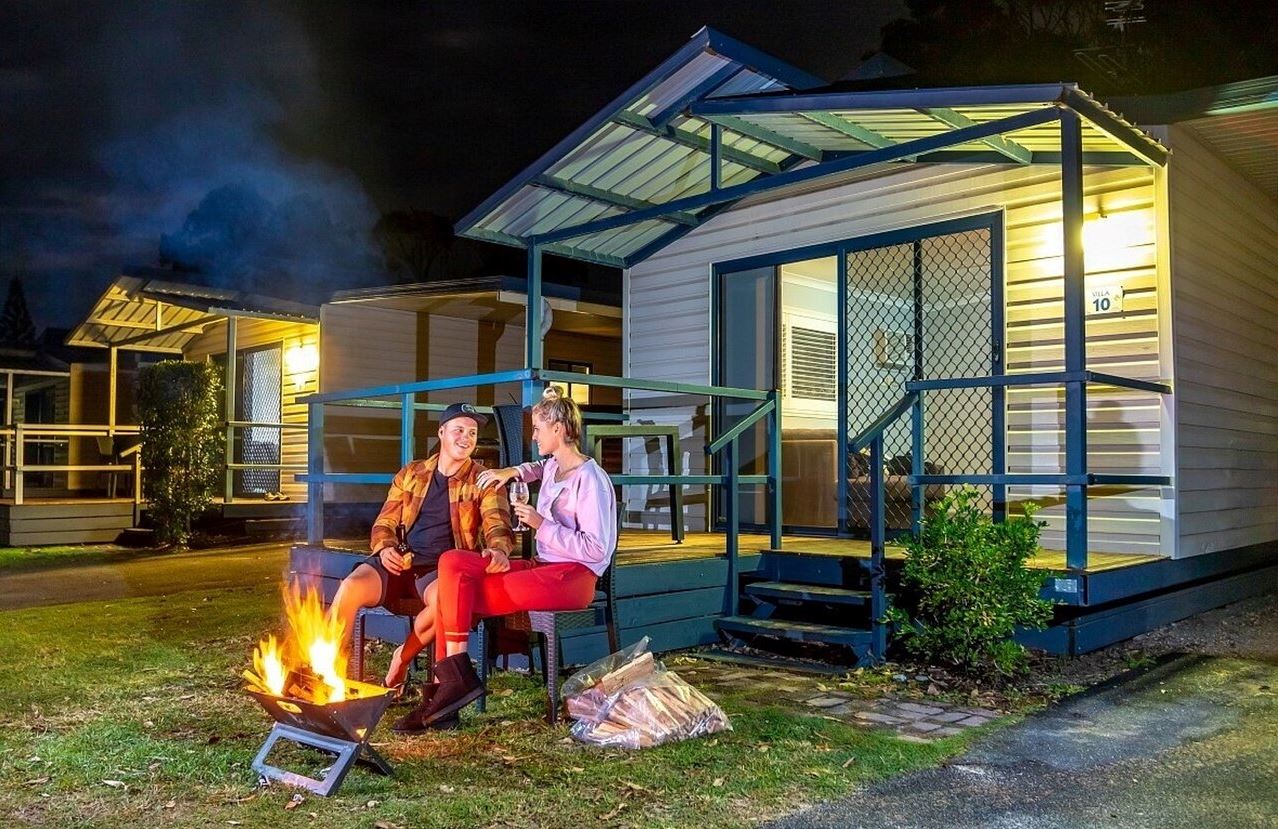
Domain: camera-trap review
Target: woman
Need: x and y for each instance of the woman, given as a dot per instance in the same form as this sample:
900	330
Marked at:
575	522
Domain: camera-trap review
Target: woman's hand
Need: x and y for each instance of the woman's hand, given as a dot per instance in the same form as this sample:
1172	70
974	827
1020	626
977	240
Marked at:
498	562
496	477
527	515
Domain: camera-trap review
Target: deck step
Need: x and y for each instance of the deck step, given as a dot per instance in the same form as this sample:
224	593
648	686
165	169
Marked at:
795	631
770	662
774	591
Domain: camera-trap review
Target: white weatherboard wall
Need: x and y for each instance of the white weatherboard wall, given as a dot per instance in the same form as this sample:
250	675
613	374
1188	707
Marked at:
667	320
1225	267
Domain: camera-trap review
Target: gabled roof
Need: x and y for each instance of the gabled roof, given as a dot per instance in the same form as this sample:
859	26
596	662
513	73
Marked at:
638	175
641	149
149	314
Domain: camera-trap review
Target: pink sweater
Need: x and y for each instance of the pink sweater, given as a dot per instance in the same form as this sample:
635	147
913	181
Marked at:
579	514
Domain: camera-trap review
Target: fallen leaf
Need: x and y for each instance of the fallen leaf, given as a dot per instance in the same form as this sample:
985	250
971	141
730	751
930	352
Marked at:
39	781
615	811
386	824
296	801
764	748
116	784
849	762
505	692
446	789
234	822
576	769
372	804
170	804
718	782
186	697
634	786
821	686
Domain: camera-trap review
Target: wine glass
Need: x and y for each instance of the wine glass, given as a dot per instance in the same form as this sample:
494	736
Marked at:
518	495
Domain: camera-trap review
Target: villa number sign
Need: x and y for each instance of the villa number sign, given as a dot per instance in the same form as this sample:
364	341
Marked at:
1105	300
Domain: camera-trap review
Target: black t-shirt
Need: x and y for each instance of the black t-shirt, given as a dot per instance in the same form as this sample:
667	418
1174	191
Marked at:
432	533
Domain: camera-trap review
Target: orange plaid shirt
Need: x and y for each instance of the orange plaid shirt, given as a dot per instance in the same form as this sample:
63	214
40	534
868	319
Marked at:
480	518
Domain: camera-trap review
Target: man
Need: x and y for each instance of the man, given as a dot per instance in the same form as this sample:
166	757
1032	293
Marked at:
442	508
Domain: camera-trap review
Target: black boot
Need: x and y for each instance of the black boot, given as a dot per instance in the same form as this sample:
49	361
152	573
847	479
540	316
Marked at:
458	686
413	722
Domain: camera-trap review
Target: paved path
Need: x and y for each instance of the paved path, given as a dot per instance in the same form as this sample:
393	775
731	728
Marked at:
144	574
1191	743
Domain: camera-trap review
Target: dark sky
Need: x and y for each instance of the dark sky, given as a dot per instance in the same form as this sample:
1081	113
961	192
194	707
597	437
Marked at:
117	118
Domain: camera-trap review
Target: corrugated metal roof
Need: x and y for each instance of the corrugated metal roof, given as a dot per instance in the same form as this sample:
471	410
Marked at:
163	316
647	155
1238	120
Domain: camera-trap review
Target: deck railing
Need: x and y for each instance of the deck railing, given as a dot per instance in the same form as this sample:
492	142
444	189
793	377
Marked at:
19	436
402	397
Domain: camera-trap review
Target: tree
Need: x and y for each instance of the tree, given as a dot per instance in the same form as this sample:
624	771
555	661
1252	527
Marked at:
16	328
182	449
1153	47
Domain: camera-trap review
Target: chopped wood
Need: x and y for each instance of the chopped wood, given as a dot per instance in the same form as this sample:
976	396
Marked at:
614	681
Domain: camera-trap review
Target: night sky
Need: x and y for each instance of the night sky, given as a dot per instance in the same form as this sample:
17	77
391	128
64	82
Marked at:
116	119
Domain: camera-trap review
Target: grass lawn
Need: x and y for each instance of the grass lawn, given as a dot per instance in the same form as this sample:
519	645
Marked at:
129	713
22	559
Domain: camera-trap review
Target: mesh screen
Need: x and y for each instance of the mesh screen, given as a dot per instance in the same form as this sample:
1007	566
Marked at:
919	310
261	403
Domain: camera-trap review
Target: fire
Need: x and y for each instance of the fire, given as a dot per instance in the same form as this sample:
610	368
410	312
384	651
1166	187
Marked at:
313	645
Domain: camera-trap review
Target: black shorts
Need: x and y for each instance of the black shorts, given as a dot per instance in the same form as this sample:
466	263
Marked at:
402	594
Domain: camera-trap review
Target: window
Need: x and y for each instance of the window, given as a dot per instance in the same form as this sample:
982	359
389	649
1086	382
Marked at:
811	365
579	392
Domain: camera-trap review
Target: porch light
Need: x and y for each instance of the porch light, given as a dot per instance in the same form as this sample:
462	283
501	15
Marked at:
300	360
1107	238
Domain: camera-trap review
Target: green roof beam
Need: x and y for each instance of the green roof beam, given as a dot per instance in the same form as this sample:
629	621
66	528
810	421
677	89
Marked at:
1009	148
761	133
696	142
598	194
556	248
851	130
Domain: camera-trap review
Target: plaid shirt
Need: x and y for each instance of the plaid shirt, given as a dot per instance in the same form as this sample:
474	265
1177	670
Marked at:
480	518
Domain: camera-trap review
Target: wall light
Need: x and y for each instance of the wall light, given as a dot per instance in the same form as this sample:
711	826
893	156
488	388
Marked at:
300	360
1108	238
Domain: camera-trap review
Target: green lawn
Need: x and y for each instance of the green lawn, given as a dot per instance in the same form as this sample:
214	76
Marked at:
129	713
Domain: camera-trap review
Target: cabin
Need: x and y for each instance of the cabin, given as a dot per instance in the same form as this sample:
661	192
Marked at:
842	303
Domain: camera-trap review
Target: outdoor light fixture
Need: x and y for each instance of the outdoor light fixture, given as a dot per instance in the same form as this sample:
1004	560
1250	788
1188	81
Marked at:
299	361
1107	237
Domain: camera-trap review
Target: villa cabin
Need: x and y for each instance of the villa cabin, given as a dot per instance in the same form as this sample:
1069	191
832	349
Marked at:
843	303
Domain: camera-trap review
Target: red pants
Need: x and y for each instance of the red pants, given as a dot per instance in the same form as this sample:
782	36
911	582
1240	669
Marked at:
466	591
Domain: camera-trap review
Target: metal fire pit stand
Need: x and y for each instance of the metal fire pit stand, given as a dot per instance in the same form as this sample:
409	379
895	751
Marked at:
342	728
348	754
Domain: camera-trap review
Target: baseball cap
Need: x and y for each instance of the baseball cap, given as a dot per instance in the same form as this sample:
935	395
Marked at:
462	410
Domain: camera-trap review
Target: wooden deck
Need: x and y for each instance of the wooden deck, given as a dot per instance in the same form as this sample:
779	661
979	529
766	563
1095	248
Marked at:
653	546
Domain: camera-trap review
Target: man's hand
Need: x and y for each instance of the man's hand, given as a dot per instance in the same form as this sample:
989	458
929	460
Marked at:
498	562
528	515
496	477
391	560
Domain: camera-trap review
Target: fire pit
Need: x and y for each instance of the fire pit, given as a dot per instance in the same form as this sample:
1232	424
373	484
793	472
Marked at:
302	684
342	728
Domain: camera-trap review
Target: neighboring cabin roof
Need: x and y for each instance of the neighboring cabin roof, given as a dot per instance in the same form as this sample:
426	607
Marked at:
1239	120
497	299
144	313
636	176
31	361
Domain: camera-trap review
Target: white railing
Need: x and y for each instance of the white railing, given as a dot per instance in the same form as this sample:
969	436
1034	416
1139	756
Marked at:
16	438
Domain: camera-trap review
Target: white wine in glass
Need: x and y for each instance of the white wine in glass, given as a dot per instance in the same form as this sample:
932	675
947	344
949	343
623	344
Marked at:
518	495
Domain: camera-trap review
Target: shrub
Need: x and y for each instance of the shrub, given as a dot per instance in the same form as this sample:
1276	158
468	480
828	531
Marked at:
966	587
181	443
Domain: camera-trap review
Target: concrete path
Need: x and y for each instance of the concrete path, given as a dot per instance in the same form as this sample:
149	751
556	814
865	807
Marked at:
144	574
1191	743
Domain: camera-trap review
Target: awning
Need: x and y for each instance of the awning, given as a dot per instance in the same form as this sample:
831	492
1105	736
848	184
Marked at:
141	313
640	174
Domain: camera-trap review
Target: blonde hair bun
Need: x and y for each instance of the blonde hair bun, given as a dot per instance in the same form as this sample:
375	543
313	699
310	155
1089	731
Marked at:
551	392
554	407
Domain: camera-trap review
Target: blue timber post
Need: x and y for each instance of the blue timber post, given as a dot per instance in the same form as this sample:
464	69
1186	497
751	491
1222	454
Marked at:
878	532
315	469
716	151
1075	341
917	444
533	346
998	394
407	412
774	469
731	600
841	293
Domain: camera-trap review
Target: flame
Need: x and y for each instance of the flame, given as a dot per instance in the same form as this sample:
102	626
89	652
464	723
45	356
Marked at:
313	644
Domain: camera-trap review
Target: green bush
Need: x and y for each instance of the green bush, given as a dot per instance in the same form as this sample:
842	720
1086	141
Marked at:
966	588
181	443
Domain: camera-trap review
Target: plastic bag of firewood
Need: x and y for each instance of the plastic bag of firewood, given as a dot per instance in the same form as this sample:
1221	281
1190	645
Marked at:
656	708
610	673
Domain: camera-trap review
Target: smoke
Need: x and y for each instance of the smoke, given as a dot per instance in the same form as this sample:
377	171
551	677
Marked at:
208	104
